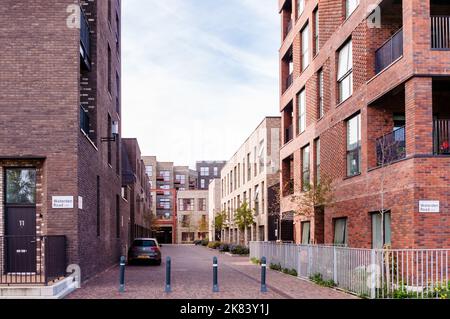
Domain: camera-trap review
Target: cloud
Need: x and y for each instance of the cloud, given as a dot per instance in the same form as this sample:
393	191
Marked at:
198	75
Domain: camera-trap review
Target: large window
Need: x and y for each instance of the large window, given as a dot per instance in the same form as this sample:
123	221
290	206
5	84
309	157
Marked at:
204	171
262	163
320	93
249	168
317	168
305	47
21	186
354	145
301	101
345	71
350	6
109	70
181	179
305	169
202	204
165	175
187	204
202	183
306	233
340	231
379	239
216	171
256	199
149	170
185	221
300	7
316	31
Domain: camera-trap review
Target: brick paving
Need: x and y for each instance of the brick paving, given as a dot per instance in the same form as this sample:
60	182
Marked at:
192	279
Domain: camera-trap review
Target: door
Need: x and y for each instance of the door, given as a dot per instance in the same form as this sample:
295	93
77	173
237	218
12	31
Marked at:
20	220
21	239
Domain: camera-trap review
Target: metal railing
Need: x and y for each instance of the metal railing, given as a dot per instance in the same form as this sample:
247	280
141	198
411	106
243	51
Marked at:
85	38
289	134
390	51
442	136
391	147
32	260
371	273
84	120
440	32
289	80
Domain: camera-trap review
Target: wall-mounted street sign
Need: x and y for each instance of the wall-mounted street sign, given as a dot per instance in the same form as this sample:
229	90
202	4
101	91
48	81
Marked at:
429	206
62	202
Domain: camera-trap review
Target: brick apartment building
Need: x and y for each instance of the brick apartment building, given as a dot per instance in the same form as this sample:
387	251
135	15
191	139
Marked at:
247	177
364	91
135	193
166	179
60	170
207	171
192	215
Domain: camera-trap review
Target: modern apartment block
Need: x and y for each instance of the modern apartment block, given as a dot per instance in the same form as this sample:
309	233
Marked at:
60	169
207	171
246	178
135	193
192	216
364	87
214	207
166	180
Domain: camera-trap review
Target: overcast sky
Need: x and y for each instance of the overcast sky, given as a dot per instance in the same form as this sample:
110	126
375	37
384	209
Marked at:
198	75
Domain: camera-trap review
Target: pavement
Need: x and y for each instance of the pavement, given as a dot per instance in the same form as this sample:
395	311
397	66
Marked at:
192	279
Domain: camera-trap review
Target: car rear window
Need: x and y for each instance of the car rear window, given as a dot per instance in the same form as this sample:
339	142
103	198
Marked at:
144	243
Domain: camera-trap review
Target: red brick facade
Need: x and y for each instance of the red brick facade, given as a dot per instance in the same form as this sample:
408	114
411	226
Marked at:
414	85
42	87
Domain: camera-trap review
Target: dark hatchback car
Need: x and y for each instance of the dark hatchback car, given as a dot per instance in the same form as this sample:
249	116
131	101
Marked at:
145	250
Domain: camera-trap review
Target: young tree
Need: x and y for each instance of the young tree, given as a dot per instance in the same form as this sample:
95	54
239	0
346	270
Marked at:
243	217
218	224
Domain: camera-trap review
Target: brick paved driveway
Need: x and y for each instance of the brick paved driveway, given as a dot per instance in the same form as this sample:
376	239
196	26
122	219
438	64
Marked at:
192	279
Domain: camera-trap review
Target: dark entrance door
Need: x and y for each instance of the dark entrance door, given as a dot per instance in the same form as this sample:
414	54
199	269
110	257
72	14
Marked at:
164	235
21	239
20	220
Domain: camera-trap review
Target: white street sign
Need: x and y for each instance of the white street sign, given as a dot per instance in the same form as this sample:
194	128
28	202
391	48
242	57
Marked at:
429	206
62	202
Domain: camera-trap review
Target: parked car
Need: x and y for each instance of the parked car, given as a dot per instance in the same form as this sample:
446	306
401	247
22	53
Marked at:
145	250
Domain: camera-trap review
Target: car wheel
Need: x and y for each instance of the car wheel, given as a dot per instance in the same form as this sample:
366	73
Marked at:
158	262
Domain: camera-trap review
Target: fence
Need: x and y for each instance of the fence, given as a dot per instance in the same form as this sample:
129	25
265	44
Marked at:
32	259
409	273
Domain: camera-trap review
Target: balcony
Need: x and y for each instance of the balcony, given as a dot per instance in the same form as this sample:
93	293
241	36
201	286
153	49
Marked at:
85	41
442	137
440	32
391	147
84	121
289	80
389	52
288	28
289	134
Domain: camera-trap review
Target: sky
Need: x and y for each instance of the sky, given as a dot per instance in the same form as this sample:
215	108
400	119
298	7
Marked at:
198	76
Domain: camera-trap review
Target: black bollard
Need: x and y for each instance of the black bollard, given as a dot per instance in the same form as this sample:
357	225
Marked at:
263	274
122	274
168	275
215	277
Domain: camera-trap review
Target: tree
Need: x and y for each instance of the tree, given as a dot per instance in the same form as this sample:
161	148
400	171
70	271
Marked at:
202	225
243	217
218	223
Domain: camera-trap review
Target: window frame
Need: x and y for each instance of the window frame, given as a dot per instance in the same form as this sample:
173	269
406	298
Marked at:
305	47
345	234
357	149
303	224
347	76
301	111
320	94
306	169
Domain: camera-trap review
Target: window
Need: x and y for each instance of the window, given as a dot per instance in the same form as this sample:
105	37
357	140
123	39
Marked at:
117	33
345	71
350	6
109	11
300	7
340	231
117	216
185	221
320	91
256	199
125	192
262	163
108	74
149	170
301	101
216	171
255	162
21	186
249	168
317	170
187	204
98	206
202	183
202	204
263	198
316	31
354	145
378	241
181	179
306	233
305	169
204	171
118	93
165	175
305	47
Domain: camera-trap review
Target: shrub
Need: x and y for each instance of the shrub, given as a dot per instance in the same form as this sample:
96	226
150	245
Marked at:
239	250
214	244
318	279
276	267
291	272
197	242
224	247
205	242
256	261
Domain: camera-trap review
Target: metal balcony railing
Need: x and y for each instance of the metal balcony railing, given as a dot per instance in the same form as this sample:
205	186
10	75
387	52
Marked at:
442	137
32	260
289	134
391	147
390	51
440	32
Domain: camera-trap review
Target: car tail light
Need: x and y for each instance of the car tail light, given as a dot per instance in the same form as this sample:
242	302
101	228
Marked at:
155	249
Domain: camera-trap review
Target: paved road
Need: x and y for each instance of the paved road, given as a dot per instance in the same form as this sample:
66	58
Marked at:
192	279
